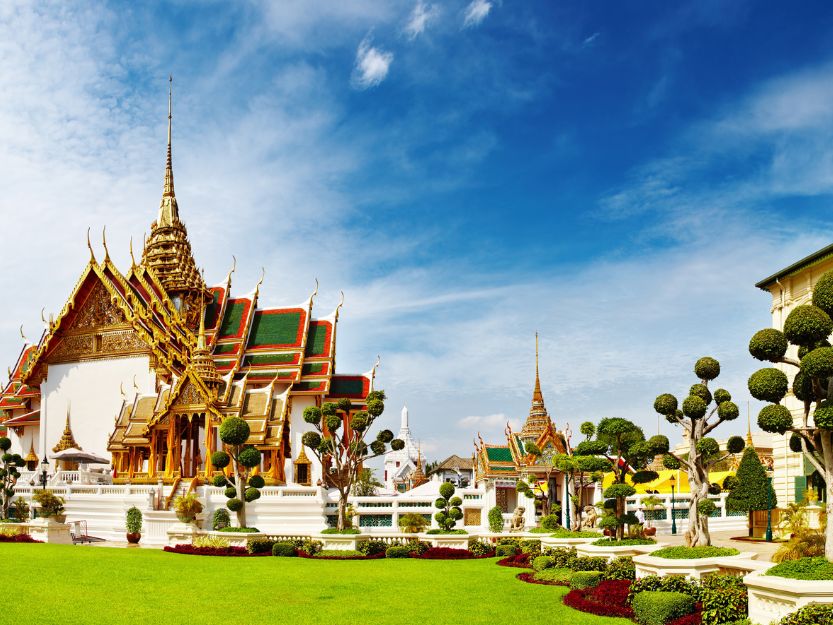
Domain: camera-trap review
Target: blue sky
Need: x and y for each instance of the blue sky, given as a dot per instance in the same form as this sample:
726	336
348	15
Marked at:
615	176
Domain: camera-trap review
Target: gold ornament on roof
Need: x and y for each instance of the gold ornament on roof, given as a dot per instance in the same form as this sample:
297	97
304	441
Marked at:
67	439
538	420
202	361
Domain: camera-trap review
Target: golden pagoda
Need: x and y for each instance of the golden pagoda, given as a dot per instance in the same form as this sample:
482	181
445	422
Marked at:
538	420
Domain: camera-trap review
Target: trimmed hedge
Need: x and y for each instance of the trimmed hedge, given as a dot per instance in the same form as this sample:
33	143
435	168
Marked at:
621	568
693	553
503	551
543	562
398	551
813	614
806	568
585	579
656	607
560	577
284	550
625	542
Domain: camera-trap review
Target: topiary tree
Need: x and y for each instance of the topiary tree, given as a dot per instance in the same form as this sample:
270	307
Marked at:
749	489
240	483
580	471
807	328
346	454
9	465
496	519
622	444
449	507
701	413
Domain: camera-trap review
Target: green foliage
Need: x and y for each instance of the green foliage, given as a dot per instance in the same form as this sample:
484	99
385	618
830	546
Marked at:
624	542
671	583
813	614
818	568
768	344
702	391
257	481
585	579
346	530
823	415
249	457
658	607
437	530
724	597
621	568
230	492
133	520
591	448
587	563
563	532
706	507
707	447
260	545
312	415
5	443
446	490
449	508
658	444
707	368
412	522
721	396
239	530
398	551
750	493
550	522
311	440
694	553
220	459
187	507
284	549
562	576
371	547
495	519
768	384
735	444
775	418
234	504
619	490
665	404
219	480
818	363
823	293
728	411
795	443
480	547
587	429
807	324
802	386
251	494
694	407
543	562
670	462
234	431
220	519
504	551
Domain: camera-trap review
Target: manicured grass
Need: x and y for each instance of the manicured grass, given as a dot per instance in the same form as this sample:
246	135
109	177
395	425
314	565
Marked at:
81	585
693	553
806	568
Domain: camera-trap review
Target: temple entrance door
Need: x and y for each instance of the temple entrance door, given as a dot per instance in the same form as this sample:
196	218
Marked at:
192	444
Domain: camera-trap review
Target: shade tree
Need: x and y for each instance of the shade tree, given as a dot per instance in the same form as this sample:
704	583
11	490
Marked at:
580	471
701	412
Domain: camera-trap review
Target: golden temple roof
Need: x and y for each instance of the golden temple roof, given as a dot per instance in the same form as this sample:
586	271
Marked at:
538	420
67	439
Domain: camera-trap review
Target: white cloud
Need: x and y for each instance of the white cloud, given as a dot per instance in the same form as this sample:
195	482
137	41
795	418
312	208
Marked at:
476	12
589	40
372	65
419	18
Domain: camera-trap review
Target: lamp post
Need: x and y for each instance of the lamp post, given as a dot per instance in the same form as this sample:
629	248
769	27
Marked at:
44	465
768	513
673	505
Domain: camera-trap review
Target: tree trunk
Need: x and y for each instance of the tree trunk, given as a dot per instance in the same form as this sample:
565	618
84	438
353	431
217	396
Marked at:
343	521
239	484
620	512
575	511
698	480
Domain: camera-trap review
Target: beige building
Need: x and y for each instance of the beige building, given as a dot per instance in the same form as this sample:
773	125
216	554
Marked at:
791	287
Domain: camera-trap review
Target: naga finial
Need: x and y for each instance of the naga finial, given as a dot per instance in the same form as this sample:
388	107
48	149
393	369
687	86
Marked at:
340	303
23	336
315	292
104	240
90	247
132	258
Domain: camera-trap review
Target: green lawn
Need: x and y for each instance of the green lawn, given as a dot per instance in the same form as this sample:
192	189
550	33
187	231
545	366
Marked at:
84	585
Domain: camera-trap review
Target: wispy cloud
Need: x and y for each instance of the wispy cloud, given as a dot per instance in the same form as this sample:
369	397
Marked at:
476	12
419	19
372	65
589	40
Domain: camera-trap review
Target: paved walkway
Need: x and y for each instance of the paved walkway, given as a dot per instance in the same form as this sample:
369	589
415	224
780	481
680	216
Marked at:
724	539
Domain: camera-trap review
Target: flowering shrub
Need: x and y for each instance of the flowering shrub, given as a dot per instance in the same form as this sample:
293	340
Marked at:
211	551
446	553
18	538
520	561
607	599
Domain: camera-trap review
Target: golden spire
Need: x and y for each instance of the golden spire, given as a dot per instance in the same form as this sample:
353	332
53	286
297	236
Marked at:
168	210
538	420
202	361
537	396
748	428
67	439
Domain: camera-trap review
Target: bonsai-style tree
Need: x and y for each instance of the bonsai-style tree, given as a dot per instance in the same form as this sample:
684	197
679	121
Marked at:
449	507
9	464
241	486
496	519
807	327
580	471
366	484
345	455
627	453
537	491
701	413
412	523
49	504
752	489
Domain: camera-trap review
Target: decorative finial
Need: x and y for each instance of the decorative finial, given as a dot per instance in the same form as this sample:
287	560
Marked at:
132	258
340	303
201	335
23	336
259	282
43	316
90	247
315	292
104	240
135	386
121	391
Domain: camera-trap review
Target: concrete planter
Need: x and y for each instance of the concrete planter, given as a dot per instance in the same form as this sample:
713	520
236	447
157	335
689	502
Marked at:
616	552
183	533
340	542
49	530
548	541
772	598
447	541
697	568
237	539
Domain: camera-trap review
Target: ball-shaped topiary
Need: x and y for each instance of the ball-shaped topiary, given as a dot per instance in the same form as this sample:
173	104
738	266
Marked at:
818	363
659	444
375	407
377	447
768	384
251	493
220	459
665	404
385	436
311	440
257	481
795	443
721	395
5	443
807	324
702	391
312	415
707	368
249	457
823	293
806	349
768	344
397	444
670	462
234	504
234	431
714	488
219	480
775	418
823	415
803	386
359	421
730	482
619	490
708	447
643	477
333	421
728	411
735	444
706	507
447	490
230	492
694	407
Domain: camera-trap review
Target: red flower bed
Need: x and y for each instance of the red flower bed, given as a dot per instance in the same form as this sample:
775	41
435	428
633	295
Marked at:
18	538
609	598
529	578
375	556
519	561
695	618
446	553
213	551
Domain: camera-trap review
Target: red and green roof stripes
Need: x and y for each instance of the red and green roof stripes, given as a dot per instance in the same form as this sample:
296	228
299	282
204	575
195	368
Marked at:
277	329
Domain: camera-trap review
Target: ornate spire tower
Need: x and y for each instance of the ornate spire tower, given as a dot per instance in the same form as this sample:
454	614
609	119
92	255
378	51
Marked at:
168	252
538	419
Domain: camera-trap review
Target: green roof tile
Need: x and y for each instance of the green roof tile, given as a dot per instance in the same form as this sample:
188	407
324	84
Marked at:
499	454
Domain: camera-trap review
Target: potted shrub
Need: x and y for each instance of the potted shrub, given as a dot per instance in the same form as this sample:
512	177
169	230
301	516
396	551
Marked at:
49	505
651	503
187	508
412	523
134	525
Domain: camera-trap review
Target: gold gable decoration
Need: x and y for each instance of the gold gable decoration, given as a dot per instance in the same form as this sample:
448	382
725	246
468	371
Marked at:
67	439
